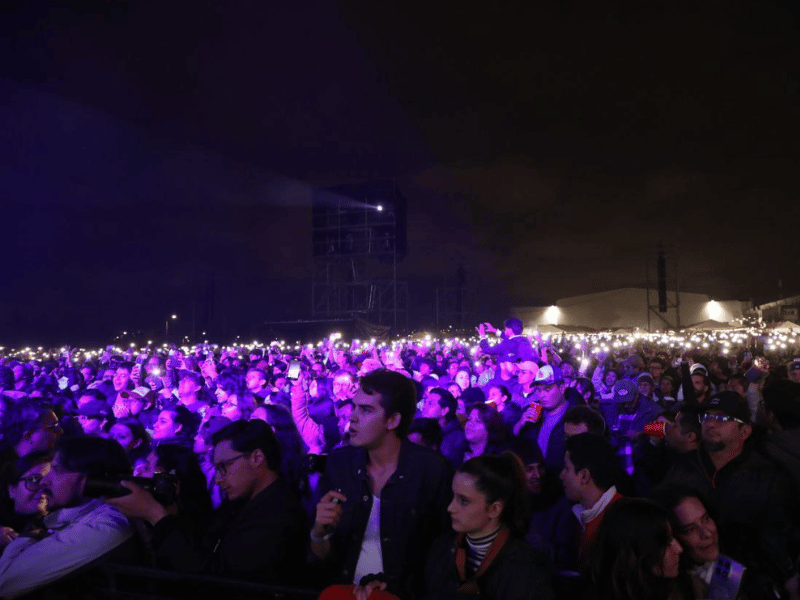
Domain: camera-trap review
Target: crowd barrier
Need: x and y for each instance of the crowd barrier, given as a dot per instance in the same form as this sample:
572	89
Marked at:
125	582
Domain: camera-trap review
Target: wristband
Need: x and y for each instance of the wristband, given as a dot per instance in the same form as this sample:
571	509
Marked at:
323	538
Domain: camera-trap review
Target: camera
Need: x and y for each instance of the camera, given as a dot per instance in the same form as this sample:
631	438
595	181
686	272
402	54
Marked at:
163	487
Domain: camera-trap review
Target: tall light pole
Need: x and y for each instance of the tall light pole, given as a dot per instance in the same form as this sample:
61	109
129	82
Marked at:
166	325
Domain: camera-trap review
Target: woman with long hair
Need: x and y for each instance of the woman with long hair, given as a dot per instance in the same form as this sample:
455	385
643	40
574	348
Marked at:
637	555
485	555
176	425
484	432
132	436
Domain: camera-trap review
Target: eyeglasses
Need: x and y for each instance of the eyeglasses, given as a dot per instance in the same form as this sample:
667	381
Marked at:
719	418
222	466
31	483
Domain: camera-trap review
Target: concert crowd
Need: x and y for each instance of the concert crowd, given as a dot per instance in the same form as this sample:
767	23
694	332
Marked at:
507	466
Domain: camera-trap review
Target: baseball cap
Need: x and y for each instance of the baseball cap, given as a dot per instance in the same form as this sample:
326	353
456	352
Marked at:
730	403
645	377
528	365
549	374
698	367
634	360
139	393
625	390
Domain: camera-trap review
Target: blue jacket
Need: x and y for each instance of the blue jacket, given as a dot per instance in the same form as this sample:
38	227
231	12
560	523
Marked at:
517	347
413	513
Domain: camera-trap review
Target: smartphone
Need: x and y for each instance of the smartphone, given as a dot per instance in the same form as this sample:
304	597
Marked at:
294	370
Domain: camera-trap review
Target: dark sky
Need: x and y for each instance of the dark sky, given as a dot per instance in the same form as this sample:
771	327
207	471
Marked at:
159	156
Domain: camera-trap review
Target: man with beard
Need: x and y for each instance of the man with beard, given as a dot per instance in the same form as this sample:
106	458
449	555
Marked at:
754	497
79	530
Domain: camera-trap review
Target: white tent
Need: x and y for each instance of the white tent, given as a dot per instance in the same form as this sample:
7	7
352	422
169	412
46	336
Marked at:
786	327
709	325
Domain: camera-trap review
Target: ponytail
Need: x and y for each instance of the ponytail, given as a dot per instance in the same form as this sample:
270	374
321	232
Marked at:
503	478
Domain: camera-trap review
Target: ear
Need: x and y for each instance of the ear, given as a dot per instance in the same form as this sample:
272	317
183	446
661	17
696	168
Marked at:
584	476
81	485
495	509
257	457
178	428
445	411
393	422
747	430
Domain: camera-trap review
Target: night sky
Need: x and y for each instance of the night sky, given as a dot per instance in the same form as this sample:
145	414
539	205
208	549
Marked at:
159	156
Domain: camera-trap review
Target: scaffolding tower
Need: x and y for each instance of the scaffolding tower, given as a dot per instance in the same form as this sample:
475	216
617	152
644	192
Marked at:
358	240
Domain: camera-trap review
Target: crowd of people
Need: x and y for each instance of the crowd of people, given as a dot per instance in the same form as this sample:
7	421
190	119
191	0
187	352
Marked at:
503	466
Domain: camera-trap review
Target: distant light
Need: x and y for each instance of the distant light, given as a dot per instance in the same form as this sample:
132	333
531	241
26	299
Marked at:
174	316
379	207
551	315
714	310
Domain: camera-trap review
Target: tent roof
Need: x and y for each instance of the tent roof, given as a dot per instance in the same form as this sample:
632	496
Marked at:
786	326
709	325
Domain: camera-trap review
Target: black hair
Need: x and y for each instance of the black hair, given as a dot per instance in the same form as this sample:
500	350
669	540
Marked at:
631	543
23	416
248	436
584	414
446	400
259	371
741	379
583	385
430	431
94	457
15	469
596	454
503	478
139	432
688	420
660	361
193	495
503	390
93	393
514	324
397	395
291	445
495	428
670	495
188	421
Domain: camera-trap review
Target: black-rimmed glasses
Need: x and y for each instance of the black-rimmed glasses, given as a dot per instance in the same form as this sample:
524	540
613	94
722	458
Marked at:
222	466
32	482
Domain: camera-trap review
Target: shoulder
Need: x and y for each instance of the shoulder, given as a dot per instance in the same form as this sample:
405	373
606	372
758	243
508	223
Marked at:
346	455
416	457
99	515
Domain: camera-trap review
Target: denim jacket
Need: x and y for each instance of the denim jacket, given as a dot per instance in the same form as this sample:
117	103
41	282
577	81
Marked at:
413	513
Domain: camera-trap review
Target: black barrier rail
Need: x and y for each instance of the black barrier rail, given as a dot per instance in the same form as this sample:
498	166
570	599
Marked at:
129	582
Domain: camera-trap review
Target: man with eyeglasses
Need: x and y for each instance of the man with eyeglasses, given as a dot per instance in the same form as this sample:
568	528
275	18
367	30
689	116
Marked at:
78	531
258	534
754	497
